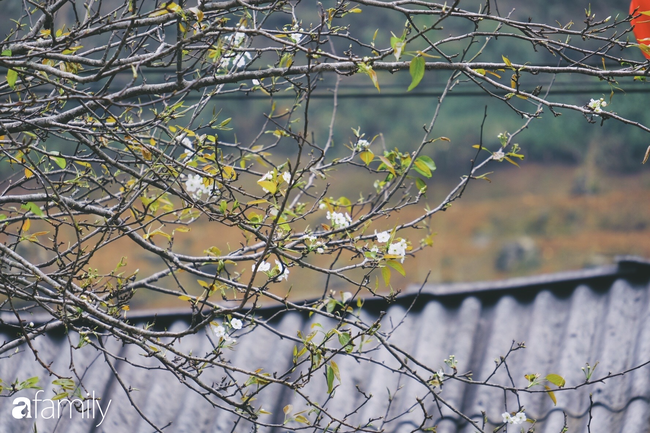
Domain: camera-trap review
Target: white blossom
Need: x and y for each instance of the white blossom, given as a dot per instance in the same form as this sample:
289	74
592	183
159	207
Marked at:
263	267
519	418
220	332
382	237
597	105
398	249
339	220
236	323
362	145
187	143
320	250
195	185
498	155
322	206
296	37
346	296
284	271
256	82
286	176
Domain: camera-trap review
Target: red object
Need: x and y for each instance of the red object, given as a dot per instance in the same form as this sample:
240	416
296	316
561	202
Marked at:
641	23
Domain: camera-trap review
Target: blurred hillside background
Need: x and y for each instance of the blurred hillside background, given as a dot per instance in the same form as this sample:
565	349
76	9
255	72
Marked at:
579	198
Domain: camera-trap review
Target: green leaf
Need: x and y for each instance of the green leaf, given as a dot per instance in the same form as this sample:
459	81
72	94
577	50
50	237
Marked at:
12	76
329	373
551	394
33	208
385	273
421	185
428	161
367	156
388	165
59	161
336	371
268	185
397	266
344	338
417	72
556	379
422	168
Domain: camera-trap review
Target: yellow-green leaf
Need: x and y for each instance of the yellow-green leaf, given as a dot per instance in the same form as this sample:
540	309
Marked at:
551	394
12	76
506	61
388	164
385	273
416	68
556	379
367	156
397	266
268	185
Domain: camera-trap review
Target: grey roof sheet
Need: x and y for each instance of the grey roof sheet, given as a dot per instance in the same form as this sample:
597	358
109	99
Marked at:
565	320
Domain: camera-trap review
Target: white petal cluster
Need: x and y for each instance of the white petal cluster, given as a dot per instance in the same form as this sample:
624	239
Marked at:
597	105
220	332
195	185
296	36
236	323
498	155
362	145
339	220
398	249
519	418
382	237
284	271
238	60
263	267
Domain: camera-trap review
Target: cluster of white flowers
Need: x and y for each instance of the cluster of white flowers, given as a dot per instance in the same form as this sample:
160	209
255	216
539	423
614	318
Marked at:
382	237
398	249
263	267
339	220
296	37
220	331
195	185
266	267
284	271
597	105
441	374
498	155
362	145
238	59
315	243
520	418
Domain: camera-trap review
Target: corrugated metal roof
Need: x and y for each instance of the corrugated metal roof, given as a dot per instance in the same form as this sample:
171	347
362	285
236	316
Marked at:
599	315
